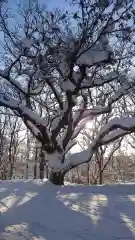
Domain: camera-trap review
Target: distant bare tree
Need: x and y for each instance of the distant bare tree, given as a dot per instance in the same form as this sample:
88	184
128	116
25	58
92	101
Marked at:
103	155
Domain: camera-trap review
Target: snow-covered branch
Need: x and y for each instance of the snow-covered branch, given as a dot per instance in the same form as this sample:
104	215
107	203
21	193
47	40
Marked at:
116	128
96	54
26	114
55	92
97	110
90	82
5	75
78	158
80	127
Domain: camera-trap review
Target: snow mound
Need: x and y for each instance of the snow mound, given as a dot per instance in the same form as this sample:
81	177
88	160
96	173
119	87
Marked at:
38	210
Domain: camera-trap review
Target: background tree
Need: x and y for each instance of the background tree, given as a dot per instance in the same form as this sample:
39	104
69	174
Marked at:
103	155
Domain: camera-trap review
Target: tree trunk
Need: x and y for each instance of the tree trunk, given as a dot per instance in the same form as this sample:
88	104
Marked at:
35	165
10	170
101	177
46	171
4	174
78	175
26	171
35	171
88	174
41	169
57	178
100	171
41	165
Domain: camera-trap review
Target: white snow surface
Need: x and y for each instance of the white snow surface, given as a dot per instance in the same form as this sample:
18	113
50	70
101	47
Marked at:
38	210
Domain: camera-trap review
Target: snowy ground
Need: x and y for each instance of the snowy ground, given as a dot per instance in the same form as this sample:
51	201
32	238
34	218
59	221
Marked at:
40	211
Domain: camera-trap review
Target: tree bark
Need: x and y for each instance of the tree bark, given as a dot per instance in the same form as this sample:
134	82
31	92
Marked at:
10	170
46	171
57	178
41	169
42	163
101	177
88	174
35	171
100	165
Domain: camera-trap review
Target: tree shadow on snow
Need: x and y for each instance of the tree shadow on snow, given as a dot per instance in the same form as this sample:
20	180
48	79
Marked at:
51	212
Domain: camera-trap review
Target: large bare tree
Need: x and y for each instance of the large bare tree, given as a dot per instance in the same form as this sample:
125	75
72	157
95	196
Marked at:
56	66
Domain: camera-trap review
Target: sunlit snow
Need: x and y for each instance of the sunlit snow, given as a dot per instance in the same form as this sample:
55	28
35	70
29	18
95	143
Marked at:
38	210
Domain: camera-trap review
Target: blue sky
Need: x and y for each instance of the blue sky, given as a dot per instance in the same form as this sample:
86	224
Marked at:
49	3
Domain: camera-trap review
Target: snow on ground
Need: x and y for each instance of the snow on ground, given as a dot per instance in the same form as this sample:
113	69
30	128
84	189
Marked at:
38	210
